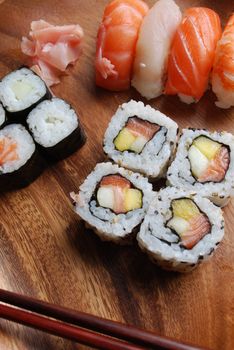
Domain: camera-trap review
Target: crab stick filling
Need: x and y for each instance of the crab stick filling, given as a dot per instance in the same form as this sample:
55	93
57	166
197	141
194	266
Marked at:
135	134
188	222
115	192
209	160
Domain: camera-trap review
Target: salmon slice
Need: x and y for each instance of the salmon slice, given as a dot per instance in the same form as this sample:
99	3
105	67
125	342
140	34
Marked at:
218	166
116	181
192	54
8	151
199	227
223	70
139	127
116	42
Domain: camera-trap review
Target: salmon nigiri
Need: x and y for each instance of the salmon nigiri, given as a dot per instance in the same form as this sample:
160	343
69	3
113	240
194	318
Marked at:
116	42
223	71
192	54
153	45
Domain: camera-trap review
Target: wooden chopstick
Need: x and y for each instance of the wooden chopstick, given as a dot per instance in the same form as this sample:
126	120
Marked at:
91	322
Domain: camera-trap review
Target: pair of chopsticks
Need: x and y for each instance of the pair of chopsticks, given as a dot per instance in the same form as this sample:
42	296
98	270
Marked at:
81	327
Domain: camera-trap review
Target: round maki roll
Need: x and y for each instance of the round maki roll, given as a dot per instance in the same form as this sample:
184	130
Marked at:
113	201
20	91
56	128
141	138
2	116
19	160
204	163
181	229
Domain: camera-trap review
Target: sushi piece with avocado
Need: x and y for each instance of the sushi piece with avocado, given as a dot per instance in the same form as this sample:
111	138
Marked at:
181	229
141	139
113	201
204	163
20	91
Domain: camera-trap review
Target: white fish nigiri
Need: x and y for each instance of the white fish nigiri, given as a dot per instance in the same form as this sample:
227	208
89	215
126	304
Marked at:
153	45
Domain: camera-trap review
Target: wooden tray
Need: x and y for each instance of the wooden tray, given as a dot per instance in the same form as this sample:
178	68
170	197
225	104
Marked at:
45	251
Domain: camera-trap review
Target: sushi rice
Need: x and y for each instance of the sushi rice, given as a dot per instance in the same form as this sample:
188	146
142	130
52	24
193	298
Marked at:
161	243
21	89
52	121
108	225
2	115
25	147
153	160
179	173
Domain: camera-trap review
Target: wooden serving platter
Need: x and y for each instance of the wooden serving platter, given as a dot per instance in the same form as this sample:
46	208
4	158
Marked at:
45	251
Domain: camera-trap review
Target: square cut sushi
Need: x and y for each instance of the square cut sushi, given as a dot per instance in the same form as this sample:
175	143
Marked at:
56	128
20	91
113	201
20	162
204	163
181	229
141	139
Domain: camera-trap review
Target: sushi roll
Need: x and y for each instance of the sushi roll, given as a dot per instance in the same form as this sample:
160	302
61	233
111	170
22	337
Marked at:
204	163
181	229
3	117
56	128
141	139
20	92
113	201
155	37
192	54
20	162
223	70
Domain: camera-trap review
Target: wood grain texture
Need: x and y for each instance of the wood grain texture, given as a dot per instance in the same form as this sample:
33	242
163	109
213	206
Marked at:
45	251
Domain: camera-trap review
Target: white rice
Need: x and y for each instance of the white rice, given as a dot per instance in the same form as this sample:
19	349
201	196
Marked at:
154	233
2	115
225	96
179	173
25	146
52	121
155	156
8	97
107	224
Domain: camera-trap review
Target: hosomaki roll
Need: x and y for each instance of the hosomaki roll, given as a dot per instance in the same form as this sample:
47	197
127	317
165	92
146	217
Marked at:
141	138
20	91
181	229
20	162
3	117
113	201
204	163
56	128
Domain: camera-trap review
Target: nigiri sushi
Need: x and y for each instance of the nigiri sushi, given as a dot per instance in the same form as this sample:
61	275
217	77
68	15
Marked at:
116	43
157	31
223	70
192	54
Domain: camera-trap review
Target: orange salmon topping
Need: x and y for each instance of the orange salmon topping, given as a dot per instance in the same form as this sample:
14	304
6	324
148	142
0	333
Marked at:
116	181
139	127
199	227
8	150
218	167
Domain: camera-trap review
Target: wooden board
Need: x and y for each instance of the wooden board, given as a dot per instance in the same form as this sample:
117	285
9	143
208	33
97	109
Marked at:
45	251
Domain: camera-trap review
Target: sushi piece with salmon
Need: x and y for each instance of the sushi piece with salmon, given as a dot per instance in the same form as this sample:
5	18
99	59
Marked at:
155	37
116	43
141	139
113	201
20	91
181	229
204	162
192	54
223	70
20	162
